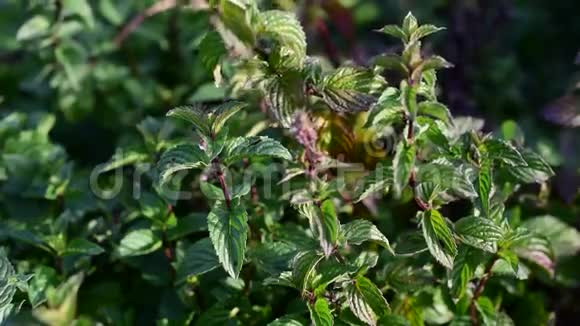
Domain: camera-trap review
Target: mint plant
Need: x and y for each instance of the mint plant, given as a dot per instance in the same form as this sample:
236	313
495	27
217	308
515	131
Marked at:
242	178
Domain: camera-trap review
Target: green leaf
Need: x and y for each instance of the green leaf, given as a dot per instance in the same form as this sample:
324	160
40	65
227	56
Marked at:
81	8
256	146
35	27
394	31
80	246
272	257
387	111
378	180
7	287
359	231
139	242
564	238
328	227
194	222
228	230
348	89
537	169
503	151
110	12
391	61
409	24
236	16
123	158
222	113
320	313
403	165
210	191
532	247
179	158
438	237
486	308
484	186
464	266
366	301
435	110
303	267
194	115
288	320
424	30
330	271
479	232
211	50
199	258
284	96
286	30
428	191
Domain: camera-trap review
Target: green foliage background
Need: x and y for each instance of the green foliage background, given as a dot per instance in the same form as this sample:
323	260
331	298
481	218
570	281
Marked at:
79	96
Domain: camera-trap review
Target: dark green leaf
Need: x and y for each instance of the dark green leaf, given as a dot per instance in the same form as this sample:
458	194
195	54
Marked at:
194	115
484	186
359	231
199	258
80	246
179	158
479	232
505	152
228	230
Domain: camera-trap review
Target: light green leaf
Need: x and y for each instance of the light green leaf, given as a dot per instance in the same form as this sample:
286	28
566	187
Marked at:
438	237
394	31
402	165
286	30
110	11
366	301
199	258
256	146
320	313
236	16
288	320
222	113
486	308
533	247
179	158
359	231
349	89
328	227
35	27
564	238
228	230
210	191
80	246
424	30
285	96
139	242
81	8
435	110
122	158
409	24
479	232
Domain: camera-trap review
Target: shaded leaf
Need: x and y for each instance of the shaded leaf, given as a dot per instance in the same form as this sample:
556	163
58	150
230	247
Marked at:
438	237
199	258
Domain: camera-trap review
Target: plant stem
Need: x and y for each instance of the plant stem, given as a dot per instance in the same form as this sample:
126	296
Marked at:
479	290
222	181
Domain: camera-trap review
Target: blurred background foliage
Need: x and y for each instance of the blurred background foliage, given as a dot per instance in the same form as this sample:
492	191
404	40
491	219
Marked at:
76	84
